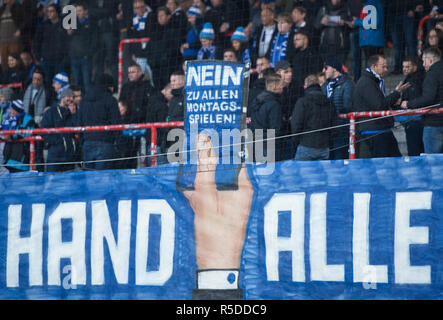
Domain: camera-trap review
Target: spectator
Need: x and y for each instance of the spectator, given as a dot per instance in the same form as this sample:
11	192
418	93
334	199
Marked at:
16	155
99	107
15	72
190	48
28	66
82	46
288	99
370	95
230	55
37	97
434	39
208	49
78	94
312	112
105	14
266	115
280	42
240	45
401	15
12	26
50	44
412	124
178	18
176	110
262	40
305	60
432	93
299	18
6	95
61	147
371	40
124	143
59	83
256	20
258	84
331	20
338	89
142	26
224	17
355	8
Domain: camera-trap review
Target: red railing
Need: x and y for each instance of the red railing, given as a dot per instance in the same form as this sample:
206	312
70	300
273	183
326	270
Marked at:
117	127
352	116
11	85
120	57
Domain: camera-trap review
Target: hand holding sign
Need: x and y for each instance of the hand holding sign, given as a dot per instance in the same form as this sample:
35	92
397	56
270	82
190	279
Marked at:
220	216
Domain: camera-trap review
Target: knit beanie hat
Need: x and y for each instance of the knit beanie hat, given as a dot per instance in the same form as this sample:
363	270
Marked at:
17	105
207	31
194	11
334	63
239	35
61	78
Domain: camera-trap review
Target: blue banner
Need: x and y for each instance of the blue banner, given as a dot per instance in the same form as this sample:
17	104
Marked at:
360	229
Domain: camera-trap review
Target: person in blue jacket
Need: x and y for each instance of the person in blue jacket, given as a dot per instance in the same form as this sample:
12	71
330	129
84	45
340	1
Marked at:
240	45
371	28
189	49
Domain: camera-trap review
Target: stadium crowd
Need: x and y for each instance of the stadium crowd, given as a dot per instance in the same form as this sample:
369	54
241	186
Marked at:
311	59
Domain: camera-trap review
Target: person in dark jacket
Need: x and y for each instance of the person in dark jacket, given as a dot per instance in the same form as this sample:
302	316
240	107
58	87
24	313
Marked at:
99	107
412	124
61	147
82	46
16	155
312	112
50	44
262	40
432	93
258	82
266	115
338	88
15	73
370	95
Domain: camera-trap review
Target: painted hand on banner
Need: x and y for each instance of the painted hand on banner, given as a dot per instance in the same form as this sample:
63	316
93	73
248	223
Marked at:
220	216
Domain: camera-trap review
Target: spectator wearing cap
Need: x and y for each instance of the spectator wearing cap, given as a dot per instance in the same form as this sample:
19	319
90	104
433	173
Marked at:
338	88
280	42
61	147
312	112
50	43
240	44
16	155
99	108
59	83
208	49
265	33
189	49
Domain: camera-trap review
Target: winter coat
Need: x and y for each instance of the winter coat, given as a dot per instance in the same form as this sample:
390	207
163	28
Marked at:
99	108
311	112
83	41
342	94
50	42
432	94
136	93
41	100
371	37
176	110
368	96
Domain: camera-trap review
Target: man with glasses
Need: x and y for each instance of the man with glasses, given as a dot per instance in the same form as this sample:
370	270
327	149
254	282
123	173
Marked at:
370	95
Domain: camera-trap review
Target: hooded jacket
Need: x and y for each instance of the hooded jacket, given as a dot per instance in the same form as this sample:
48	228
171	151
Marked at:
311	112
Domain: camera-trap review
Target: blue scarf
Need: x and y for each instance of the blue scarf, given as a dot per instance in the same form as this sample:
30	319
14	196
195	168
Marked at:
140	23
330	86
10	123
279	45
246	56
209	50
381	83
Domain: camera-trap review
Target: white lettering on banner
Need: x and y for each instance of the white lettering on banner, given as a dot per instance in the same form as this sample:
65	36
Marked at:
320	270
405	235
206	75
370	20
363	271
295	203
30	245
74	249
146	208
118	250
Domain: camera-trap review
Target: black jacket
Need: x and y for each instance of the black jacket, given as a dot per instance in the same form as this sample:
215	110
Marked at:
50	42
176	110
99	107
83	41
432	94
304	63
415	90
136	93
255	45
311	112
369	97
